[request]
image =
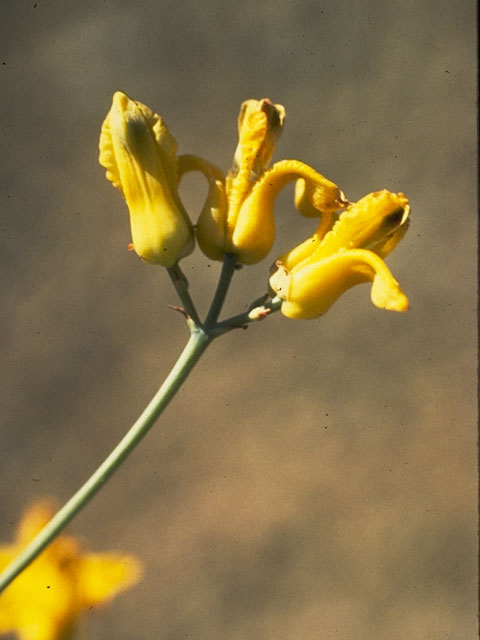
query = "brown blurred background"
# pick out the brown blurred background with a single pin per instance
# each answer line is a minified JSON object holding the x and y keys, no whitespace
{"x":313,"y":479}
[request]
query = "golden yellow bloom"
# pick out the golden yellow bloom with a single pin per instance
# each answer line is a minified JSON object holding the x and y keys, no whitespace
{"x":238,"y":215}
{"x":310,"y":277}
{"x":45,"y":600}
{"x":139,"y":154}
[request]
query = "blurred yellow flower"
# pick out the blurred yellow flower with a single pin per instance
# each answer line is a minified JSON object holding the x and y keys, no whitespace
{"x":45,"y":600}
{"x":139,"y":154}
{"x":339,"y":255}
{"x":238,"y":215}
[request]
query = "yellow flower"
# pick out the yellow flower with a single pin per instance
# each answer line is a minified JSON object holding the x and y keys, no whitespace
{"x":139,"y":154}
{"x":45,"y":600}
{"x":238,"y":215}
{"x":310,"y":277}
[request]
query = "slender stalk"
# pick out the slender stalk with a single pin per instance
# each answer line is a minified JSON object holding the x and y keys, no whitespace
{"x":198,"y":342}
{"x":228,"y":269}
{"x":180,"y":283}
{"x":200,"y":338}
{"x":243,"y":319}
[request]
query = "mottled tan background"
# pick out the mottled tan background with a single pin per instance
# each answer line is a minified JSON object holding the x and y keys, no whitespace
{"x":313,"y":479}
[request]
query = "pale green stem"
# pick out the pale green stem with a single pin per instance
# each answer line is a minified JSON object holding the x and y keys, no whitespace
{"x":243,"y":319}
{"x":180,"y":283}
{"x":198,"y":342}
{"x":228,"y":269}
{"x":200,"y":338}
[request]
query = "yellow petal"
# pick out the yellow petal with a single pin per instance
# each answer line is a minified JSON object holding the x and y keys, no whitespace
{"x":366,"y":223}
{"x":313,"y":200}
{"x":300,"y":253}
{"x":143,"y":123}
{"x":260,"y":123}
{"x":103,"y":576}
{"x":253,"y":230}
{"x":211,"y":230}
{"x":305,"y":202}
{"x":41,"y":602}
{"x":138,"y":153}
{"x":384,"y":247}
{"x":44,"y":629}
{"x":7,"y":554}
{"x":45,"y":600}
{"x":34,"y":519}
{"x":309,"y":291}
{"x":212,"y":222}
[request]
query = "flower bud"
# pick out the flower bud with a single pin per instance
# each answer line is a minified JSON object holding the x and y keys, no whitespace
{"x":260,"y":123}
{"x":139,"y":154}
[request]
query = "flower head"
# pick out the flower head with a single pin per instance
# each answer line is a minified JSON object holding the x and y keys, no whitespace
{"x":310,"y":277}
{"x":238,"y":215}
{"x":139,"y":154}
{"x":44,"y":601}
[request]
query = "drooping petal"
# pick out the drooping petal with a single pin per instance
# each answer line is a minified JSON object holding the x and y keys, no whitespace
{"x":310,"y":290}
{"x":211,"y":230}
{"x":312,"y":200}
{"x":254,"y":228}
{"x":306,"y":202}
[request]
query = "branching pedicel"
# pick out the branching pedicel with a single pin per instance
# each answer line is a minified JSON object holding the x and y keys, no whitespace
{"x":236,"y":226}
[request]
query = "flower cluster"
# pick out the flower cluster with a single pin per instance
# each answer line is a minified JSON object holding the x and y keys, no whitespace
{"x":237,"y":226}
{"x":237,"y":218}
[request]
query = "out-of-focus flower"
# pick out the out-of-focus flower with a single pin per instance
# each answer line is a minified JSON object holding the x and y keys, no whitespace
{"x":310,"y":277}
{"x":45,"y":600}
{"x":238,"y":215}
{"x":139,"y":154}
